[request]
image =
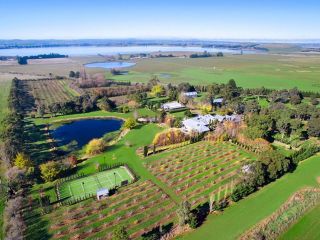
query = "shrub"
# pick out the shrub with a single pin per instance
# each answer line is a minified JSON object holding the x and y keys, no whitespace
{"x":120,"y":233}
{"x":304,"y":153}
{"x":145,"y":151}
{"x":95,"y":146}
{"x":193,"y":221}
{"x":206,"y":109}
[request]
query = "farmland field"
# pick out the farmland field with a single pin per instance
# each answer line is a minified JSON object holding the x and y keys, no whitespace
{"x":50,"y":91}
{"x":250,"y":71}
{"x":276,"y":71}
{"x":199,"y":170}
{"x":82,"y":187}
{"x":140,"y":206}
{"x":42,"y":67}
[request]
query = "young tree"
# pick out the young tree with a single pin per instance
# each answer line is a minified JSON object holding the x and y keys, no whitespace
{"x":145,"y":151}
{"x":77,"y":74}
{"x":22,"y":161}
{"x":157,"y":90}
{"x":72,"y":74}
{"x":120,"y":233}
{"x":314,"y":101}
{"x":188,"y":113}
{"x":173,"y":94}
{"x":95,"y":146}
{"x":50,"y":171}
{"x":184,"y":213}
{"x":41,"y":110}
{"x":129,"y":123}
{"x":73,"y":160}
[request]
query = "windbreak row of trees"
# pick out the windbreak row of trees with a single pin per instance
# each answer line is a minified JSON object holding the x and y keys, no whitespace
{"x":17,"y":164}
{"x":12,"y":132}
{"x":81,"y":104}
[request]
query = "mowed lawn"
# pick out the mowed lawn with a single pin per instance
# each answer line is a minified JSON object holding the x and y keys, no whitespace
{"x":250,"y":71}
{"x":307,"y":228}
{"x":95,"y":114}
{"x":89,"y":185}
{"x":242,"y":215}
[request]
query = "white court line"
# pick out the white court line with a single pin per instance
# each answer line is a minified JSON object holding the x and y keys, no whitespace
{"x":110,"y":181}
{"x":120,"y":176}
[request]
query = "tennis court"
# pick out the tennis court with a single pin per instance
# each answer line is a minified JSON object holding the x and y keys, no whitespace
{"x":89,"y":185}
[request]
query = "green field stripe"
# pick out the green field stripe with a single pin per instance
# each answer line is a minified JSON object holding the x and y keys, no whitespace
{"x":95,"y":176}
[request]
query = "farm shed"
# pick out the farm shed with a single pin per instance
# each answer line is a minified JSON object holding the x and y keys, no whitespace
{"x":190,"y":94}
{"x":102,"y":193}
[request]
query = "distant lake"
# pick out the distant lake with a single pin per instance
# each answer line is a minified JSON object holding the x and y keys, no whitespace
{"x":94,"y":50}
{"x":110,"y":65}
{"x":85,"y":130}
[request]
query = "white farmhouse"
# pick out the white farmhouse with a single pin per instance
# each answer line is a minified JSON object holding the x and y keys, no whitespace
{"x":198,"y":124}
{"x":170,"y":106}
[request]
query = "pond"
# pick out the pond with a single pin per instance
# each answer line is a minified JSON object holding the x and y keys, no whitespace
{"x":82,"y":131}
{"x":110,"y":65}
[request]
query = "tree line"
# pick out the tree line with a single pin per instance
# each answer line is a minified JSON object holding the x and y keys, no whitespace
{"x":23,"y":60}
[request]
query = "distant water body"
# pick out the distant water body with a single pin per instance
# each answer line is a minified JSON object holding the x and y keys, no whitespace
{"x":94,"y":50}
{"x":110,"y":65}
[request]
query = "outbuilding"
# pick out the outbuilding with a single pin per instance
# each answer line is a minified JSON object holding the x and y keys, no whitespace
{"x":102,"y":193}
{"x":190,"y":94}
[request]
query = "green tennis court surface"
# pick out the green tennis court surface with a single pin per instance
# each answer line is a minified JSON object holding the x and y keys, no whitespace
{"x":89,"y":185}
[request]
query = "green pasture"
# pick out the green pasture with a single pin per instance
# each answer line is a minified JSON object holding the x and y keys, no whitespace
{"x":89,"y":185}
{"x":307,"y":228}
{"x":249,"y":71}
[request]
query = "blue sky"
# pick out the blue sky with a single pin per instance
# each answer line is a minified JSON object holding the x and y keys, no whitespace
{"x":232,"y":19}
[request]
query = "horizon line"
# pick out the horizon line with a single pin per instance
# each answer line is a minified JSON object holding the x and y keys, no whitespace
{"x":269,"y":40}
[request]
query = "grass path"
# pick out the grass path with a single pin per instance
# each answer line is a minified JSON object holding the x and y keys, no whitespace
{"x":244,"y":214}
{"x":4,"y":92}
